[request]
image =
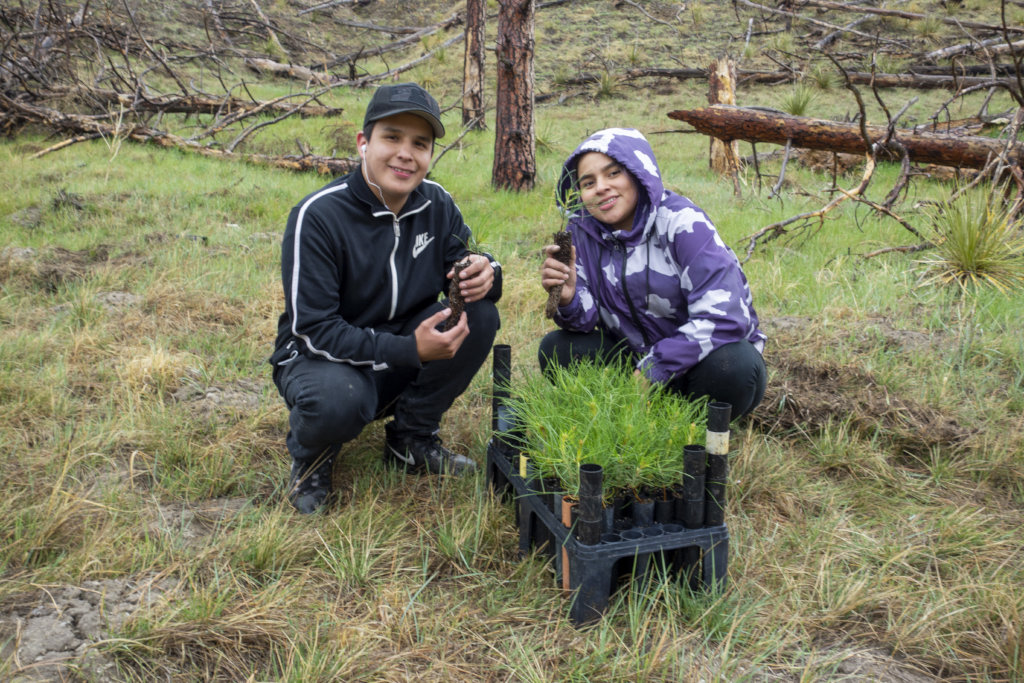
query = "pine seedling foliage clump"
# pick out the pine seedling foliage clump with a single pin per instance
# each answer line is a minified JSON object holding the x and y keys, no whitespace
{"x":604,"y":415}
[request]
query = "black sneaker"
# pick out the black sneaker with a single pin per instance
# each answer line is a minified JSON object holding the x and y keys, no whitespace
{"x":309,"y":485}
{"x":420,"y":455}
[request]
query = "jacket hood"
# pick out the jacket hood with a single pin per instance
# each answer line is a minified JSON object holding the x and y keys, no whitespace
{"x":630,"y":148}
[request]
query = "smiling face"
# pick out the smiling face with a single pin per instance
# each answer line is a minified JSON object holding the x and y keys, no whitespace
{"x":607,"y":190}
{"x":397,"y":157}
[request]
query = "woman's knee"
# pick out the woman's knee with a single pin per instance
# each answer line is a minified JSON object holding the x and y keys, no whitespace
{"x":734,"y":373}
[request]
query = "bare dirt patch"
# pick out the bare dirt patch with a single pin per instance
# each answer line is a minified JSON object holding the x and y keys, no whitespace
{"x":193,"y":523}
{"x":814,"y":393}
{"x":240,"y":395}
{"x":50,"y":634}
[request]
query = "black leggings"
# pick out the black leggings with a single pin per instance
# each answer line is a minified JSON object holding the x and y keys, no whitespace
{"x":734,"y":373}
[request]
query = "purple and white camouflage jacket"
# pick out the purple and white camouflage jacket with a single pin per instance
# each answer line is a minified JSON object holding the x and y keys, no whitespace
{"x":684,"y":293}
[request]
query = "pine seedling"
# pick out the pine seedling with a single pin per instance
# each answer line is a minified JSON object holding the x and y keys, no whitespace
{"x":455,"y":301}
{"x":569,"y":205}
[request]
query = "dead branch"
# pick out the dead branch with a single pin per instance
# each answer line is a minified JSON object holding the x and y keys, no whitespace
{"x":393,"y":30}
{"x":196,"y":104}
{"x":67,"y":143}
{"x":880,"y":208}
{"x":927,"y":81}
{"x":834,"y":35}
{"x":271,"y":34}
{"x":411,"y":39}
{"x":295,"y":71}
{"x":990,"y":170}
{"x":804,"y":220}
{"x":908,"y":249}
{"x":218,"y":26}
{"x":637,"y":6}
{"x":994,"y":45}
{"x":782,"y":170}
{"x":366,"y":80}
{"x":952,"y":21}
{"x":816,"y":22}
{"x":471,"y":125}
{"x":333,"y":3}
{"x":138,"y":31}
{"x":86,"y":127}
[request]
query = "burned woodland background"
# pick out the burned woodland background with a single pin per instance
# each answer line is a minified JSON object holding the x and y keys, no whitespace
{"x":205,"y":77}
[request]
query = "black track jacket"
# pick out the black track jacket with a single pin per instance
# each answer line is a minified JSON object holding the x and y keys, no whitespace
{"x":353,"y":272}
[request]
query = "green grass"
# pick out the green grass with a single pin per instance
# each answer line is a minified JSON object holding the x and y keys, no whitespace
{"x":875,"y":500}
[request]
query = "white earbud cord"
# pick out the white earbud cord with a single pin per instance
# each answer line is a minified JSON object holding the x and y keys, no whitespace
{"x":366,"y":166}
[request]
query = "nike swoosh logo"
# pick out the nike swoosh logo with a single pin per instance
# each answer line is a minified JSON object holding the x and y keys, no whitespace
{"x":405,"y":457}
{"x":418,"y":248}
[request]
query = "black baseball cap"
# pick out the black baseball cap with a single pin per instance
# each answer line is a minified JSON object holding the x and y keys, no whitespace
{"x":404,"y":98}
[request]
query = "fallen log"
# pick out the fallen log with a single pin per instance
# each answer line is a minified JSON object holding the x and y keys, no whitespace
{"x":991,"y":46}
{"x":738,"y":123}
{"x":926,"y":81}
{"x":913,"y":79}
{"x":963,"y":69}
{"x":195,"y":104}
{"x":951,"y":20}
{"x":260,"y":65}
{"x":90,"y":127}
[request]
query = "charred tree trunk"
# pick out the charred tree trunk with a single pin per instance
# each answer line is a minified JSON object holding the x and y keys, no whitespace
{"x":721,"y":90}
{"x":737,"y":123}
{"x":515,"y":164}
{"x":473,"y":71}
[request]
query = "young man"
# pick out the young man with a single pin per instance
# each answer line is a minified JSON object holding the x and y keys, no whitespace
{"x":650,"y":279}
{"x":363,"y":262}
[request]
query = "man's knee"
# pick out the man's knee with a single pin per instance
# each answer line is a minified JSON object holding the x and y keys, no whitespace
{"x":332,"y":413}
{"x":483,"y":317}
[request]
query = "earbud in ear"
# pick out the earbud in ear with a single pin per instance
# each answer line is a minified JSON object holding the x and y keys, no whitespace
{"x":363,"y":149}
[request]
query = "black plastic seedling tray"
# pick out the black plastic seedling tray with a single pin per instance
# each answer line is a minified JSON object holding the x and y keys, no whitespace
{"x":626,"y":552}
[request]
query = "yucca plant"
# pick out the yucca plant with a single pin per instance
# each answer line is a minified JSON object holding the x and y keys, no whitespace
{"x":604,"y":415}
{"x":977,"y":243}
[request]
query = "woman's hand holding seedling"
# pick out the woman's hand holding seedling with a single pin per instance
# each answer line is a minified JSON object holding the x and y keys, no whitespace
{"x":554,"y":273}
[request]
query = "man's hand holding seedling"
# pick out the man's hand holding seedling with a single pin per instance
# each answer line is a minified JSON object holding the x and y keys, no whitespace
{"x":476,"y":279}
{"x":433,"y":344}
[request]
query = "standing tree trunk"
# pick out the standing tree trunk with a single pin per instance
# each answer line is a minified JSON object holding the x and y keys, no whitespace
{"x":724,"y":158}
{"x":473,"y":71}
{"x":515,"y":164}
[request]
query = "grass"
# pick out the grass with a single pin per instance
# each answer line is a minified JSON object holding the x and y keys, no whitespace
{"x":875,"y":499}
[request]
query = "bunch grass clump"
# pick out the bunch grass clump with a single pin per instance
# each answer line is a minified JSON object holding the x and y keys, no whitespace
{"x":604,"y":415}
{"x":798,"y":101}
{"x":977,"y":244}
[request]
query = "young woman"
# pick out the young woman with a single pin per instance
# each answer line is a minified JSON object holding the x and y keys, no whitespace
{"x":650,"y":280}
